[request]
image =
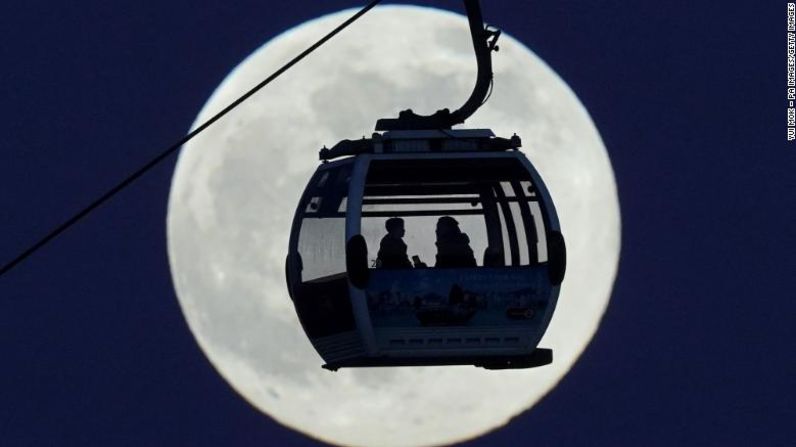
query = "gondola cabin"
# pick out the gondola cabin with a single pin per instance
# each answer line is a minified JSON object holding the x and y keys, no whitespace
{"x":429,"y":247}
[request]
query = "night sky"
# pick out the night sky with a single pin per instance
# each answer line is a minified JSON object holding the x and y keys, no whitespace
{"x":696,"y":347}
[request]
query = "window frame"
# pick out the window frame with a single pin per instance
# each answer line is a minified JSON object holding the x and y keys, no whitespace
{"x":495,"y":209}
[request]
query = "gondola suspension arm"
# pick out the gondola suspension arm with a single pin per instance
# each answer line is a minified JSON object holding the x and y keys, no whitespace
{"x":484,"y":42}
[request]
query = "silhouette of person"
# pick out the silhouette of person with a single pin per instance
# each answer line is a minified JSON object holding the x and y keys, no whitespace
{"x":453,"y":246}
{"x":392,"y":250}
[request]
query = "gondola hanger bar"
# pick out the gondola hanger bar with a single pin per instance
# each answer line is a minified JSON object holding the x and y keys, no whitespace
{"x":484,"y":42}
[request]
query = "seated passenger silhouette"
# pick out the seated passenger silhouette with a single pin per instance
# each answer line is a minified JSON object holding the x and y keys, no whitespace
{"x":453,"y":246}
{"x":392,"y":250}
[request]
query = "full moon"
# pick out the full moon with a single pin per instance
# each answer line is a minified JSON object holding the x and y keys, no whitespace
{"x":236,"y":186}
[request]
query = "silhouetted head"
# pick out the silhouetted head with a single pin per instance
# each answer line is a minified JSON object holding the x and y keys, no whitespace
{"x":395,"y":226}
{"x":446,"y":225}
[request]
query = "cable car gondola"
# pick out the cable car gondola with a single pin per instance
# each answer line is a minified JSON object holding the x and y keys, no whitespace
{"x":488,"y":257}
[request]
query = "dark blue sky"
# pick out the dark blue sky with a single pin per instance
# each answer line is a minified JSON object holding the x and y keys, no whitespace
{"x":696,"y":347}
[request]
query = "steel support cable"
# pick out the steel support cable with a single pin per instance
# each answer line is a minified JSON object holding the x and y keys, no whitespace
{"x":173,"y":148}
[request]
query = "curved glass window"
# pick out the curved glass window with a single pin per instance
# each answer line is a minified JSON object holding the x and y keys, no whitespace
{"x":321,"y":241}
{"x":455,"y":242}
{"x":320,"y":289}
{"x":454,"y":213}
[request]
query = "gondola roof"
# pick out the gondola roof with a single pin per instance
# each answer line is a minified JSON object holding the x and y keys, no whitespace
{"x":421,"y":141}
